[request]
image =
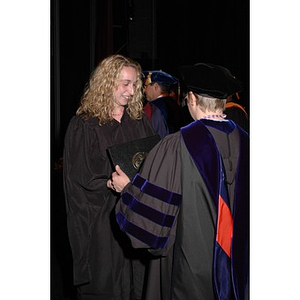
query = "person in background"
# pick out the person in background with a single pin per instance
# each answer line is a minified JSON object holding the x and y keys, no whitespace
{"x":237,"y":112}
{"x":189,"y":204}
{"x":105,"y":266}
{"x":162,"y":109}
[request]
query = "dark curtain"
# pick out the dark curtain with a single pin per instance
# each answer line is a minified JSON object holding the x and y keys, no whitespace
{"x":81,"y":35}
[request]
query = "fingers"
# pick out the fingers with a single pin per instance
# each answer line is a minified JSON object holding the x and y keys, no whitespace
{"x":114,"y":175}
{"x":118,"y":180}
{"x":109,"y":184}
{"x":118,"y":170}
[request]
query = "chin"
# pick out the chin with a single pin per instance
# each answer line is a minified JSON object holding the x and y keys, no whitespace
{"x":124,"y":101}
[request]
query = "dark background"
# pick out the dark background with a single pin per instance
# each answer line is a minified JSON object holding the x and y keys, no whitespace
{"x":159,"y":35}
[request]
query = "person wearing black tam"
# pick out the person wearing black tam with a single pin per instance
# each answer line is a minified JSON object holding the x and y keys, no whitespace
{"x":221,"y":89}
{"x":161,"y":109}
{"x":189,"y":203}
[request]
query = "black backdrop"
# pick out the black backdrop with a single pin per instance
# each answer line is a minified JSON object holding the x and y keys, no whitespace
{"x":159,"y":35}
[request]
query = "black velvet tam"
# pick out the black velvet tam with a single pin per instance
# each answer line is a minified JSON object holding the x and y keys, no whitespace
{"x":209,"y":80}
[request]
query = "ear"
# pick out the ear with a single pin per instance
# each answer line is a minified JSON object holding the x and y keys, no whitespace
{"x":192,"y":98}
{"x":156,"y":86}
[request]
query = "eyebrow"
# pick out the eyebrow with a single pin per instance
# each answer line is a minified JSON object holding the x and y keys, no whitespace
{"x":126,"y":81}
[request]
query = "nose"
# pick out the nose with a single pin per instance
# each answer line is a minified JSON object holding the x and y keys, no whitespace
{"x":131,"y":89}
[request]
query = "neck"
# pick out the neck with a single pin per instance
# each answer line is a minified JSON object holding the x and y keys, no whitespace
{"x":118,"y":111}
{"x":213,"y":116}
{"x":163,"y":95}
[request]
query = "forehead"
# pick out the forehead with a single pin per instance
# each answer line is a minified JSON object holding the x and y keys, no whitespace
{"x":128,"y":74}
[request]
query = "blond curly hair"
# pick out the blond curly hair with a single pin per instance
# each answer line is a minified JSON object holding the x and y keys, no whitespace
{"x":97,"y":99}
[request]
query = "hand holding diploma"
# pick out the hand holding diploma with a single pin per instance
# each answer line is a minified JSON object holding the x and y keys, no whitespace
{"x":118,"y":180}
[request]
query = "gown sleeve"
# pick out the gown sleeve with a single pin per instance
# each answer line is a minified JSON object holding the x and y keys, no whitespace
{"x":85,"y":191}
{"x":148,"y":208}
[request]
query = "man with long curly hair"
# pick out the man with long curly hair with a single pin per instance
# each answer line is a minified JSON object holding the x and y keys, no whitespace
{"x":111,"y":112}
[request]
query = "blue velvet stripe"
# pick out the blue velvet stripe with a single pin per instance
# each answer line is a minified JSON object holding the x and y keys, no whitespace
{"x":202,"y":148}
{"x":222,"y":276}
{"x":226,"y":126}
{"x":222,"y":262}
{"x":147,"y":211}
{"x":156,"y":191}
{"x":223,"y":188}
{"x":240,"y":243}
{"x":142,"y":235}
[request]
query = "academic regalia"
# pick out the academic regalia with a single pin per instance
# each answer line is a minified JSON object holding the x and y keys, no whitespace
{"x":157,"y":119}
{"x":167,"y":120}
{"x":102,"y":254}
{"x":176,"y":207}
{"x":170,"y":112}
{"x":237,"y":113}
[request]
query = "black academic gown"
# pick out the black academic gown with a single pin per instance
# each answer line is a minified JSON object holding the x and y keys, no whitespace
{"x":102,"y":264}
{"x":172,"y":207}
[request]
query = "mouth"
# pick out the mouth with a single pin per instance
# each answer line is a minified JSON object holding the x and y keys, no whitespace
{"x":127,"y":97}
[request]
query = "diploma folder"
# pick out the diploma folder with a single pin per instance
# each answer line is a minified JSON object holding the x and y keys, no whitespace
{"x":130,"y":155}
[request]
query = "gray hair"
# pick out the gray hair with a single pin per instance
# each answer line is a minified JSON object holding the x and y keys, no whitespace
{"x":210,"y":104}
